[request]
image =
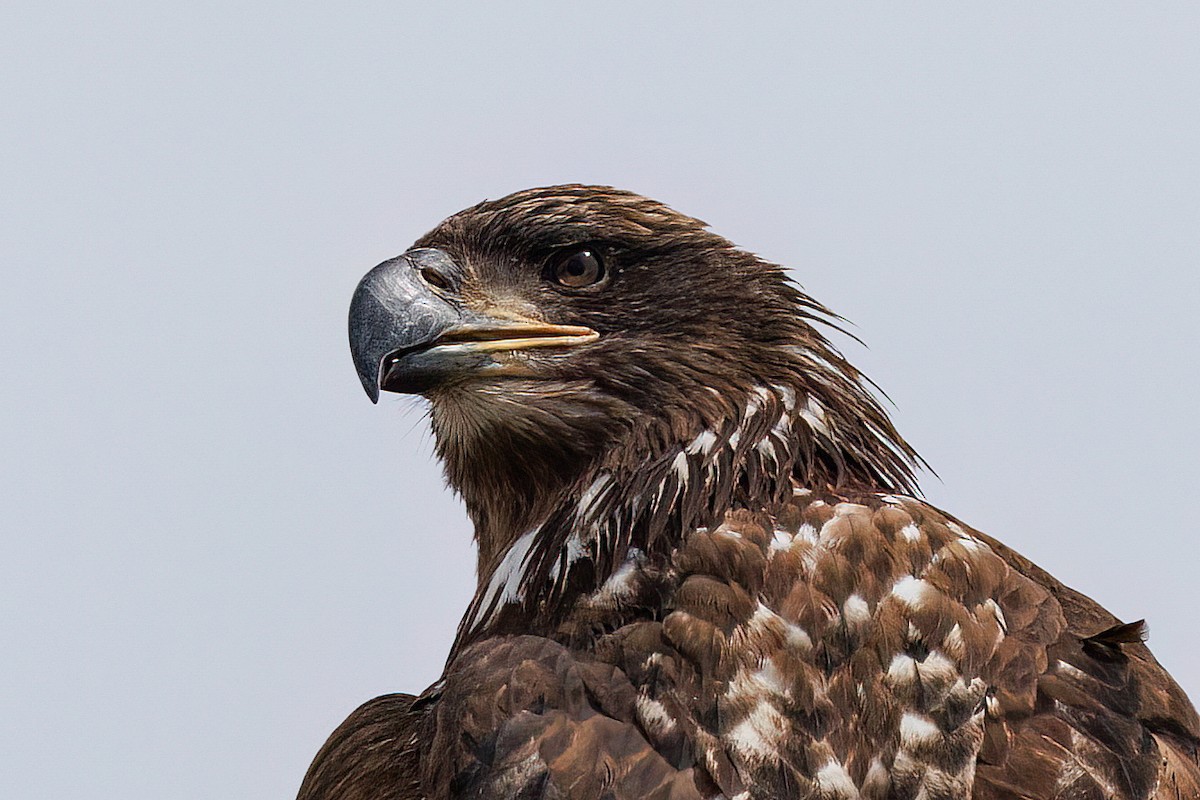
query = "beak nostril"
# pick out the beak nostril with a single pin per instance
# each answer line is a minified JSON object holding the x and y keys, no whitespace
{"x":435,"y":279}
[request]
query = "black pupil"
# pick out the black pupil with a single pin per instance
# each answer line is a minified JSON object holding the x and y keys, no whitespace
{"x":579,"y":269}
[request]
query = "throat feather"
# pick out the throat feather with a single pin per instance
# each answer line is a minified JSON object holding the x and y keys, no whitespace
{"x":635,"y":502}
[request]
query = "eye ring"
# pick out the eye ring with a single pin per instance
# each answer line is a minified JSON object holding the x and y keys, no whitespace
{"x":578,"y":269}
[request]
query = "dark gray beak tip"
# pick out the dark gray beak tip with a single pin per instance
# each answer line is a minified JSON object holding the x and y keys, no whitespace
{"x":372,"y":389}
{"x":370,"y":325}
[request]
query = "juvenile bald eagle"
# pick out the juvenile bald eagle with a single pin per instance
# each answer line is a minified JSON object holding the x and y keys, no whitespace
{"x":703,"y":571}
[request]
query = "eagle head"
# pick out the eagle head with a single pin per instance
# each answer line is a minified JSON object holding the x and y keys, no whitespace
{"x":562,"y":330}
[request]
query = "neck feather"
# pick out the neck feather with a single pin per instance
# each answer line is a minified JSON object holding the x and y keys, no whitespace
{"x":514,"y":450}
{"x":665,"y":479}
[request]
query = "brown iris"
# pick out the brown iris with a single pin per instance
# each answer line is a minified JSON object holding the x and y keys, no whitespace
{"x":578,"y":269}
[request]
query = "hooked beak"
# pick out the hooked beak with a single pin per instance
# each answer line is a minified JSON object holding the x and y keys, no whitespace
{"x":408,"y":336}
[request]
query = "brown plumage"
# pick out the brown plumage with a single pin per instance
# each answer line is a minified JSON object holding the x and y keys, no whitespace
{"x":702,"y":570}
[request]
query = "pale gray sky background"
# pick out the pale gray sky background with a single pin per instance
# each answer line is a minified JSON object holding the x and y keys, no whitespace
{"x":214,"y":546}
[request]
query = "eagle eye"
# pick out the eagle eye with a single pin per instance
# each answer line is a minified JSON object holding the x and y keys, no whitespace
{"x":578,"y":269}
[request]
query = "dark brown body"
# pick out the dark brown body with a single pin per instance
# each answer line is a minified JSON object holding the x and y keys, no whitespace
{"x":1019,"y":705}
